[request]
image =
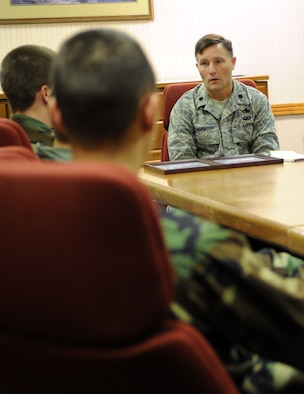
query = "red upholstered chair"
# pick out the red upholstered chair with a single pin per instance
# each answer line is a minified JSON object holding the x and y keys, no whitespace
{"x":171,"y":94}
{"x":17,"y":153}
{"x":85,"y":288}
{"x":249,"y":82}
{"x":11,"y":133}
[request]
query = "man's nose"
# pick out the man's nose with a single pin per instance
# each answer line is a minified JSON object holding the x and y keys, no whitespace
{"x":212,"y":68}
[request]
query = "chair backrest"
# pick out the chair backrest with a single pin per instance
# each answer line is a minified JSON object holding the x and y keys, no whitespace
{"x":12,"y":134}
{"x":17,"y":153}
{"x":249,"y":82}
{"x":86,"y":285}
{"x":171,"y":94}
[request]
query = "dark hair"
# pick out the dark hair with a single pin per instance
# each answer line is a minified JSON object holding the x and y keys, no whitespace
{"x":212,"y":39}
{"x":100,"y":76}
{"x":24,"y":71}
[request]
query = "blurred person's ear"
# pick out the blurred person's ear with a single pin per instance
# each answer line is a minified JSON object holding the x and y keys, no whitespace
{"x":148,"y":109}
{"x":45,"y":93}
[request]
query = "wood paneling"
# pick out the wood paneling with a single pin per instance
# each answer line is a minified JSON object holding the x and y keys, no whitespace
{"x":288,"y":109}
{"x":4,"y":107}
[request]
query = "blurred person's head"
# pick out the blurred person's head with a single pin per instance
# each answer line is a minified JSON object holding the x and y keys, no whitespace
{"x":103,"y":94}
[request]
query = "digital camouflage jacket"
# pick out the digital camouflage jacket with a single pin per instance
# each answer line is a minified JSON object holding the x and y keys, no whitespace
{"x":199,"y":129}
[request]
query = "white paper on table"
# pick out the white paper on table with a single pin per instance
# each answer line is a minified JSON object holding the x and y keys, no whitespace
{"x":287,"y":155}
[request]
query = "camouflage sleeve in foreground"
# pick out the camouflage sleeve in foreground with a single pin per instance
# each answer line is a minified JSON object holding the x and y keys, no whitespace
{"x":234,"y":295}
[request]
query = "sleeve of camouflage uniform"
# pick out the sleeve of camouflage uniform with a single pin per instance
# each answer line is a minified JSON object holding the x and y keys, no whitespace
{"x":181,"y":139}
{"x":234,"y":295}
{"x":265,"y":137}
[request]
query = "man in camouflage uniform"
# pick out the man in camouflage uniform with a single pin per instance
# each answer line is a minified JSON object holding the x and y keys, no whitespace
{"x":220,"y":117}
{"x":227,"y":291}
{"x":249,"y":305}
{"x":25,"y":80}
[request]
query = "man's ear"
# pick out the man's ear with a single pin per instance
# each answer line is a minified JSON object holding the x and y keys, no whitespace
{"x":45,"y":93}
{"x":233,"y":62}
{"x":149,"y":109}
{"x":56,"y":116}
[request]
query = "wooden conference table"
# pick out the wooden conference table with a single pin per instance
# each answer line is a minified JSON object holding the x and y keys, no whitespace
{"x":265,"y":202}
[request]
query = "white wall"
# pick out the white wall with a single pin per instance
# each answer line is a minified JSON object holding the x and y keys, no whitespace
{"x":268,"y":38}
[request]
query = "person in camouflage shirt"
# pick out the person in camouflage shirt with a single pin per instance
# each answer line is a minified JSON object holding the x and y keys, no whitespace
{"x":37,"y":131}
{"x":222,"y":116}
{"x":250,"y":305}
{"x":26,"y":82}
{"x":237,"y":298}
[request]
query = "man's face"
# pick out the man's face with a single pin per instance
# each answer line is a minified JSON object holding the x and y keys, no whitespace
{"x":215,"y":66}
